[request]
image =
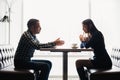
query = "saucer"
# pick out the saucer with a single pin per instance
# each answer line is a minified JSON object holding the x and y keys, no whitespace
{"x":74,"y":47}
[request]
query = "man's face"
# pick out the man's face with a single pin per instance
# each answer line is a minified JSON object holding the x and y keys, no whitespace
{"x":37,"y":28}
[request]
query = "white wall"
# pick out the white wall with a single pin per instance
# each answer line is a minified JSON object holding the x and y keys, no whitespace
{"x":16,"y":27}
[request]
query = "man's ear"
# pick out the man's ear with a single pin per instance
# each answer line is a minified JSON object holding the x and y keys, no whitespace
{"x":32,"y":27}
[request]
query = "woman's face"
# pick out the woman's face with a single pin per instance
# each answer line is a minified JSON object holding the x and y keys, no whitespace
{"x":85,"y":29}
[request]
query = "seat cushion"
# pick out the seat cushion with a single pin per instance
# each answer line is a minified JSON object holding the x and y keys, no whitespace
{"x":9,"y":73}
{"x":110,"y":74}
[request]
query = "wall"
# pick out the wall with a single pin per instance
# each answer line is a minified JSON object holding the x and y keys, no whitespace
{"x":4,"y":23}
{"x":16,"y":26}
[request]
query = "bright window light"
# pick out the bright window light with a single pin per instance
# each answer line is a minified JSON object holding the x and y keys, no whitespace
{"x":58,"y":18}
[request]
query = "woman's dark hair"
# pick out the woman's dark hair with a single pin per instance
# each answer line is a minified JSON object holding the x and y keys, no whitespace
{"x":31,"y":22}
{"x":90,"y":25}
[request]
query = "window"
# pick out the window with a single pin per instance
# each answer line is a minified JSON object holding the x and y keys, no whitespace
{"x":4,"y":23}
{"x":58,"y":18}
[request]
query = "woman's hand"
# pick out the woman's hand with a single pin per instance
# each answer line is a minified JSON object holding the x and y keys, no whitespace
{"x":81,"y":38}
{"x":59,"y":42}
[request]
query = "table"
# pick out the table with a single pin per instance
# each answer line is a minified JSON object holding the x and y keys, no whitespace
{"x":65,"y":56}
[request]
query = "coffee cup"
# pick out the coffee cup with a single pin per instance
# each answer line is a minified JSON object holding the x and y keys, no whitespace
{"x":74,"y":45}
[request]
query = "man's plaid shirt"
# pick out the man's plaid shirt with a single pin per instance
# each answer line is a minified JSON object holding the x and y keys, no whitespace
{"x":27,"y":45}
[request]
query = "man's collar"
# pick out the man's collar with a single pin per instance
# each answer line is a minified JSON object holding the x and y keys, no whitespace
{"x":31,"y":33}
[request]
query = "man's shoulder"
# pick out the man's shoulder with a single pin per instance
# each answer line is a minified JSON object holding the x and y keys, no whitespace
{"x":26,"y":33}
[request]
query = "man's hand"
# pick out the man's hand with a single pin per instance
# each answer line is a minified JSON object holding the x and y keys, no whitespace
{"x":59,"y":42}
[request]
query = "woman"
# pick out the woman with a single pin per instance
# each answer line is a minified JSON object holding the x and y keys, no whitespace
{"x":95,"y":40}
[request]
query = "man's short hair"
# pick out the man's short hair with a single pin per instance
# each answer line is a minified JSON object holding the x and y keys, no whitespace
{"x":31,"y":22}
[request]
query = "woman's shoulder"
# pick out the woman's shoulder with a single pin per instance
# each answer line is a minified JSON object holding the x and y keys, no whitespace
{"x":98,"y":33}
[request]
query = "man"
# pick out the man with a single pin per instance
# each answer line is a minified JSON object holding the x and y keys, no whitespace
{"x":26,"y":47}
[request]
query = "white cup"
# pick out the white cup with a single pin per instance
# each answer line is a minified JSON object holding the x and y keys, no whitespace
{"x":74,"y":45}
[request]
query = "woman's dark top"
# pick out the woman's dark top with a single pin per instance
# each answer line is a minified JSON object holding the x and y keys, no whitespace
{"x":101,"y":58}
